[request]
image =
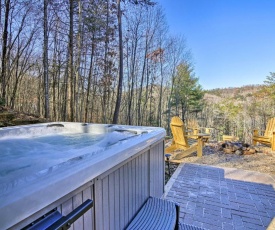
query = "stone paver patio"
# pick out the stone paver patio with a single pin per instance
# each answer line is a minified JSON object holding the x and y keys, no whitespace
{"x":223,"y":198}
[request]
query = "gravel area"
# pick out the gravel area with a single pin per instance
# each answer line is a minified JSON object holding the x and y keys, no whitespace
{"x":262,"y":161}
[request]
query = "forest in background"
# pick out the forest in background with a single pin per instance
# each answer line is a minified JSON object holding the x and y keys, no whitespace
{"x":113,"y":61}
{"x":238,"y":111}
{"x":94,"y":61}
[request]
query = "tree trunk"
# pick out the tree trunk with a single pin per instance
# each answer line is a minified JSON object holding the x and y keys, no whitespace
{"x":4,"y":51}
{"x":119,"y":87}
{"x":132,"y":75}
{"x":160,"y":95}
{"x":141,"y":85}
{"x":89,"y":81}
{"x":79,"y":48}
{"x":105,"y":82}
{"x":45,"y":60}
{"x":71,"y":68}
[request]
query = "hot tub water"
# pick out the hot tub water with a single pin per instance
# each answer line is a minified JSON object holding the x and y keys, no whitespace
{"x":23,"y":156}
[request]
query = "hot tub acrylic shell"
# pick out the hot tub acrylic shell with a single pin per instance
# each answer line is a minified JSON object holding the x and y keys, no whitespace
{"x":130,"y":169}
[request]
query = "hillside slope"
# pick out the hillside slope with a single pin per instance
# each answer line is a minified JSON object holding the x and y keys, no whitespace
{"x":237,"y":93}
{"x":9,"y":117}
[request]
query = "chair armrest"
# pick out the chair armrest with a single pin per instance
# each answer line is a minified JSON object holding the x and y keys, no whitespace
{"x":271,"y":133}
{"x":207,"y":129}
{"x":260,"y":132}
{"x":255,"y":132}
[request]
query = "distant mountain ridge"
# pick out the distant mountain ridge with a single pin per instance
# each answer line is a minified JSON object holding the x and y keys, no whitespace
{"x":237,"y":93}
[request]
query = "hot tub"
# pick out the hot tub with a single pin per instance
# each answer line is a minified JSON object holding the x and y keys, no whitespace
{"x":60,"y":165}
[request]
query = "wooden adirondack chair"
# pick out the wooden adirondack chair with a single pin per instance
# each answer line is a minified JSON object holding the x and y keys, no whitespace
{"x":269,"y":135}
{"x":193,"y":129}
{"x":183,"y":142}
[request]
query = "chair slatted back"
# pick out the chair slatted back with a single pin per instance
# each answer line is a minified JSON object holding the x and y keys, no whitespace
{"x":193,"y":123}
{"x":177,"y":128}
{"x":270,"y":127}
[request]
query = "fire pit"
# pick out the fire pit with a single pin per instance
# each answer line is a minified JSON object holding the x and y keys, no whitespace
{"x":235,"y":147}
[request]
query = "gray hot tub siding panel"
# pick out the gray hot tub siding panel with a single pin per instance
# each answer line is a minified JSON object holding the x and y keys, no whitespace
{"x":137,"y":180}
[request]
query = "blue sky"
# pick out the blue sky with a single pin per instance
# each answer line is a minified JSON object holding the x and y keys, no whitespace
{"x":232,"y":41}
